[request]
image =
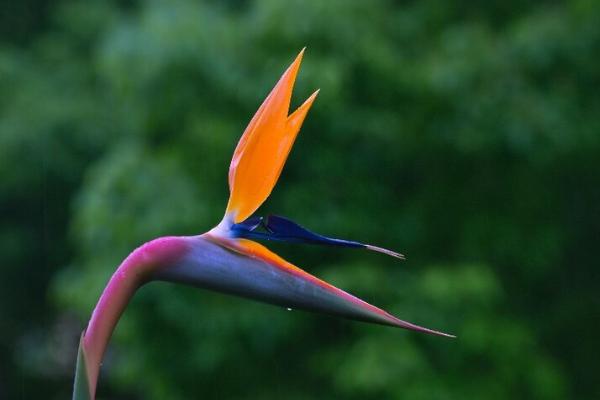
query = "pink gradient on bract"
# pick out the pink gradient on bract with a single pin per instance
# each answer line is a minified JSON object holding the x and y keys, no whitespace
{"x":133,"y":272}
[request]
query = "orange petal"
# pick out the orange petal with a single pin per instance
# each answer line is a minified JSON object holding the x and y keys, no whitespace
{"x":264,"y":147}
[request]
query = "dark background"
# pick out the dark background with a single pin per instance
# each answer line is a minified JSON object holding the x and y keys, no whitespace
{"x":464,"y":134}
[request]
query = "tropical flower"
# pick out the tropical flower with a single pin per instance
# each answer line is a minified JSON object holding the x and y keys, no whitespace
{"x":227,"y":259}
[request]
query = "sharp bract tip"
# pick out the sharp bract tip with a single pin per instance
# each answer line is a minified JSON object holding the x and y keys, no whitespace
{"x":407,"y":325}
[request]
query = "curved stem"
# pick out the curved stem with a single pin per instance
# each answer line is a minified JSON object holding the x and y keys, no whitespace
{"x":121,"y":287}
{"x":133,"y":272}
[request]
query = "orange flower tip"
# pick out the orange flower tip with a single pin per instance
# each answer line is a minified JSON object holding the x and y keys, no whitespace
{"x":301,"y":111}
{"x":385,"y":251}
{"x":296,"y":64}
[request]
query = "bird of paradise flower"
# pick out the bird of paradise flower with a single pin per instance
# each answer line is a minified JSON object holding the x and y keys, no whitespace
{"x":226,"y":258}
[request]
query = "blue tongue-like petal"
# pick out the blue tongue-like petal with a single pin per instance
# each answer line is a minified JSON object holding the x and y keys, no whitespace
{"x":282,"y":229}
{"x":289,"y":231}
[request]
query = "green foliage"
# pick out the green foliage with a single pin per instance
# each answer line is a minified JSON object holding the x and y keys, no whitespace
{"x":465,"y":136}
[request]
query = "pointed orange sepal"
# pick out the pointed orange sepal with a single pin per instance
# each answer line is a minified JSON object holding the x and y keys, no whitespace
{"x":264,"y":147}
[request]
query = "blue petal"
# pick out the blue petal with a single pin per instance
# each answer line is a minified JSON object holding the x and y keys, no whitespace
{"x":282,"y":229}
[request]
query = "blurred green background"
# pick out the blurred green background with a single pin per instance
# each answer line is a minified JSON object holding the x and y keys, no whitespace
{"x":465,"y":135}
